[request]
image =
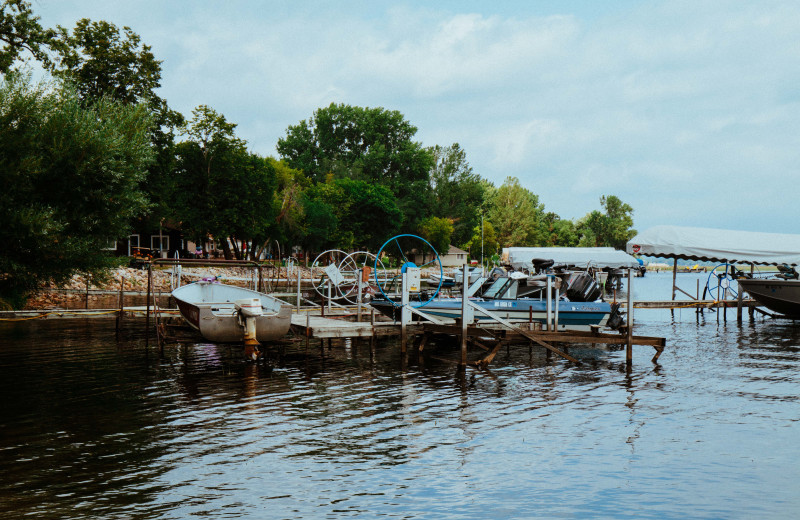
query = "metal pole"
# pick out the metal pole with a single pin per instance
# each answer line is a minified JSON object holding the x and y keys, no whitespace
{"x":405,"y":312}
{"x":298,"y":288}
{"x":330,"y":298}
{"x":629,"y":349}
{"x":358,"y":298}
{"x":481,"y":245}
{"x":674,"y":277}
{"x":466,"y":315}
{"x":549,"y":303}
{"x":556,"y":299}
{"x":147,"y":313}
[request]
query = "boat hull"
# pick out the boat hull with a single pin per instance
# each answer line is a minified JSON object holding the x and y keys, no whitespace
{"x":210,"y":308}
{"x":571,"y":315}
{"x":781,"y":296}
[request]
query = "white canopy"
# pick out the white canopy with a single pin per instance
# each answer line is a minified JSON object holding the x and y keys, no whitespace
{"x":717,"y":245}
{"x":600,"y":257}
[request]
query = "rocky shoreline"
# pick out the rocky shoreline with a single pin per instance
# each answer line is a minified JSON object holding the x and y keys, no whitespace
{"x":130,"y":279}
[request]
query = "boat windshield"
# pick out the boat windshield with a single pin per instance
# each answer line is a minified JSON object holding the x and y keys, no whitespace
{"x":502,"y":289}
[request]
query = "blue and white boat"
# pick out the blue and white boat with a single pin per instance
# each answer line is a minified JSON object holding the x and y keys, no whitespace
{"x":500,"y":299}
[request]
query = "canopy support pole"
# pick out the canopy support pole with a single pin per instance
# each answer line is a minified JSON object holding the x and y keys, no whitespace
{"x":674,"y":277}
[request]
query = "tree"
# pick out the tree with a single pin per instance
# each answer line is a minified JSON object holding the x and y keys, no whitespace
{"x":222,"y":190}
{"x":102,"y":61}
{"x":361,"y":215}
{"x":70,"y":177}
{"x":560,"y":233}
{"x":482,"y":238}
{"x":20,"y":33}
{"x":610,"y":229}
{"x":367,"y":144}
{"x":516,"y":214}
{"x":457,"y":191}
{"x":437,"y":231}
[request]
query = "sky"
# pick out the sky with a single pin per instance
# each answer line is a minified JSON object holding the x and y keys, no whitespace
{"x":688,"y":111}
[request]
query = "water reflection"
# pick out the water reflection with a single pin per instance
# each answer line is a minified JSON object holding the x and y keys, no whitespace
{"x":95,"y":427}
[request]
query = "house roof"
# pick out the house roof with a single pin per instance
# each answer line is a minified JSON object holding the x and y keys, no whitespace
{"x":456,"y":251}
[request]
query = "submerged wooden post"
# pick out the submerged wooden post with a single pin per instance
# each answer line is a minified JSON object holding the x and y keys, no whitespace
{"x":739,"y":307}
{"x":629,"y":345}
{"x":121,"y":303}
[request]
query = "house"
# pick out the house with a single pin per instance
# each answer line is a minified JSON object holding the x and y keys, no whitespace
{"x":455,"y":257}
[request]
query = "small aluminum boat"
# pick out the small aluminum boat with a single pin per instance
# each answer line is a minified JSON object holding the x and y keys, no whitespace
{"x":221,"y":312}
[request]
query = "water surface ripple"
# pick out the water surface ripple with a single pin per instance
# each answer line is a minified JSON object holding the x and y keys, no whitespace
{"x":95,"y":427}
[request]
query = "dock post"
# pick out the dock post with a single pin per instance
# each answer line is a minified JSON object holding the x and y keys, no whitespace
{"x":121,"y":303}
{"x":330,"y":296}
{"x":466,"y":315}
{"x":405,"y":312}
{"x":147,"y":312}
{"x":739,"y":307}
{"x":629,"y":345}
{"x":88,"y":276}
{"x":308,"y":329}
{"x":556,"y":298}
{"x":549,"y":309}
{"x":358,"y":298}
{"x":674,"y":277}
{"x":298,"y":287}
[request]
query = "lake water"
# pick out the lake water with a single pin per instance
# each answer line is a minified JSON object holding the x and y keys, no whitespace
{"x":96,"y":427}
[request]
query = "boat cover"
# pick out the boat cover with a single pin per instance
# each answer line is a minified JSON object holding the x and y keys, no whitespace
{"x":717,"y":245}
{"x":599,"y":257}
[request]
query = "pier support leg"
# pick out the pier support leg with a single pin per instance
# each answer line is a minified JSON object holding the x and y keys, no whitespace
{"x":629,"y":344}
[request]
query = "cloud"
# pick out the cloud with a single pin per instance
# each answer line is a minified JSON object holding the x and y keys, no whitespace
{"x":677,"y":107}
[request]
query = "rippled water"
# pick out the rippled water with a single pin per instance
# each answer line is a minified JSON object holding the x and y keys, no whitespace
{"x":95,"y":427}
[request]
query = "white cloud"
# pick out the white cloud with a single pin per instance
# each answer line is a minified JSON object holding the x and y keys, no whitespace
{"x":677,"y":107}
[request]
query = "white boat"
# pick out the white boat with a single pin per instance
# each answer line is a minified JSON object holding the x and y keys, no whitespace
{"x":224,"y":313}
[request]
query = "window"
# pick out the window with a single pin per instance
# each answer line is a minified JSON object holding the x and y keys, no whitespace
{"x":111,"y":246}
{"x":133,"y":244}
{"x":155,"y":242}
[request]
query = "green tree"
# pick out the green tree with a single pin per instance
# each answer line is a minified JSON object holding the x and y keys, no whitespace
{"x":517,"y":215}
{"x":457,"y":191}
{"x":222,"y":190}
{"x":21,"y":33}
{"x":70,"y":177}
{"x":486,"y":237}
{"x":612,"y":228}
{"x":367,"y":144}
{"x":102,"y":61}
{"x":437,"y":231}
{"x":560,"y":232}
{"x":363,"y":214}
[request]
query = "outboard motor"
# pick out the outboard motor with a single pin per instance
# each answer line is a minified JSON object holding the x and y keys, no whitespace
{"x":615,"y":320}
{"x":583,"y":288}
{"x":249,"y":309}
{"x":541,"y":264}
{"x":787,"y":272}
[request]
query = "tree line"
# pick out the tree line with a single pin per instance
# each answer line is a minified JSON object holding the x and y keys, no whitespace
{"x":94,"y":152}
